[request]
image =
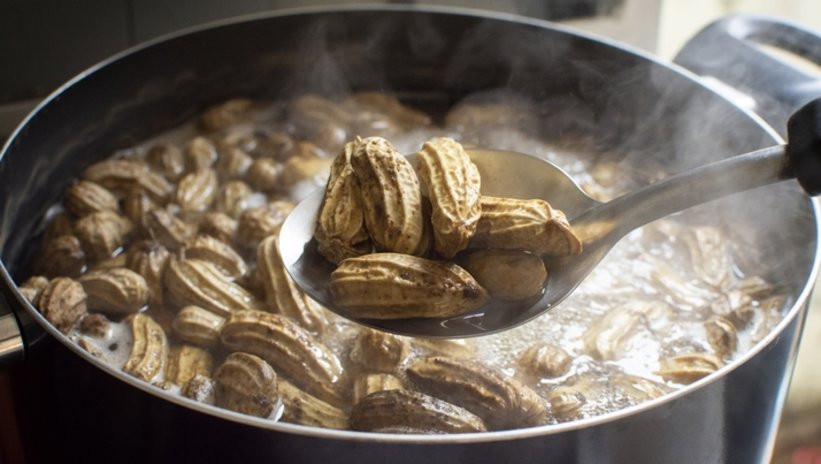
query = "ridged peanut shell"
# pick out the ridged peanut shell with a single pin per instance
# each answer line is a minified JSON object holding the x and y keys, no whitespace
{"x":115,"y":291}
{"x":197,"y":282}
{"x":160,"y":225}
{"x":33,"y":287}
{"x":200,"y":388}
{"x":452,"y":184}
{"x":149,"y":259}
{"x":340,"y":229}
{"x":198,"y":326}
{"x":232,"y":198}
{"x":281,"y":294}
{"x":102,"y":233}
{"x":545,"y":360}
{"x":166,"y":159}
{"x":400,"y":409}
{"x":218,"y":225}
{"x":396,"y":286}
{"x":149,"y":349}
{"x":220,"y":254}
{"x":507,"y":274}
{"x":300,"y":407}
{"x":200,"y":153}
{"x":391,"y":196}
{"x":257,"y":223}
{"x":533,"y":225}
{"x":378,"y":351}
{"x":185,"y":362}
{"x":503,"y":402}
{"x":121,"y":174}
{"x":372,"y":383}
{"x":62,"y":256}
{"x":689,"y":367}
{"x":197,"y":190}
{"x":85,"y":197}
{"x":226,"y":114}
{"x":63,"y":302}
{"x":247,"y":384}
{"x":290,"y":349}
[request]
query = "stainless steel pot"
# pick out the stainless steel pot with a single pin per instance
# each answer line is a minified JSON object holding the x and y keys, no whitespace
{"x":70,"y":404}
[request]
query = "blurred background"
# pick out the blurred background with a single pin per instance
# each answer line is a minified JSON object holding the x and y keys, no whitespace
{"x":43,"y":43}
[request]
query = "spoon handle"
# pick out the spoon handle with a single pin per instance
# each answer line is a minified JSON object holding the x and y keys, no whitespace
{"x":681,"y":191}
{"x":800,"y":159}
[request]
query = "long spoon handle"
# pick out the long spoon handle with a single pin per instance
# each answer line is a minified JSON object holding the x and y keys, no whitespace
{"x":800,"y":159}
{"x":679,"y":192}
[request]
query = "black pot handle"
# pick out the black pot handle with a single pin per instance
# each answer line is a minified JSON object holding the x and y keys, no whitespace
{"x":11,"y":339}
{"x":729,"y":51}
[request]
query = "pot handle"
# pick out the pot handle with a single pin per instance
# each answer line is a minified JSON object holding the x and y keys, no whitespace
{"x":11,"y":339}
{"x":730,"y":51}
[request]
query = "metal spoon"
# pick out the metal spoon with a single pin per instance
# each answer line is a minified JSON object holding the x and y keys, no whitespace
{"x":599,"y":225}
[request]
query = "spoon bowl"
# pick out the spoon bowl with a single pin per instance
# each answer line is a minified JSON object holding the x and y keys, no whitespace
{"x":504,"y":174}
{"x":598,"y":225}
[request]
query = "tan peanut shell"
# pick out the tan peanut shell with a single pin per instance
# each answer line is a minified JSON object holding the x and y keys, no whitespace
{"x":149,"y":348}
{"x":149,"y":259}
{"x":395,"y":286}
{"x":136,"y":204}
{"x":412,"y":411}
{"x":372,"y":383}
{"x":507,"y":274}
{"x":532,"y":225}
{"x":220,"y":254}
{"x":721,"y":333}
{"x":232,"y":198}
{"x":115,"y":291}
{"x":198,"y":326}
{"x":247,"y":384}
{"x":233,"y":163}
{"x":502,"y":402}
{"x":689,"y":367}
{"x":545,"y":360}
{"x":290,"y":349}
{"x":197,"y":282}
{"x":123,"y":175}
{"x":257,"y":223}
{"x":220,"y":226}
{"x":33,"y":287}
{"x":340,"y":229}
{"x":200,"y":388}
{"x":85,"y":197}
{"x":378,"y":351}
{"x":452,"y":184}
{"x":102,"y":233}
{"x":281,"y":294}
{"x":63,"y":302}
{"x":166,"y":159}
{"x":95,"y":325}
{"x":185,"y":362}
{"x":302,"y":168}
{"x":200,"y":153}
{"x":300,"y":407}
{"x":391,"y":197}
{"x":226,"y":114}
{"x":263,"y":174}
{"x":172,"y":232}
{"x":197,"y":190}
{"x":62,"y":256}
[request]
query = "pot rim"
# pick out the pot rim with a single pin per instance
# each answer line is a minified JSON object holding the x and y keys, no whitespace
{"x":800,"y":302}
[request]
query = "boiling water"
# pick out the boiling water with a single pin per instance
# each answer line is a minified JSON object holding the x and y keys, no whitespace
{"x":645,"y":301}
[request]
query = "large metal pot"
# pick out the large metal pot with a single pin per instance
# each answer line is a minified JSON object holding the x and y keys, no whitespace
{"x":70,"y":404}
